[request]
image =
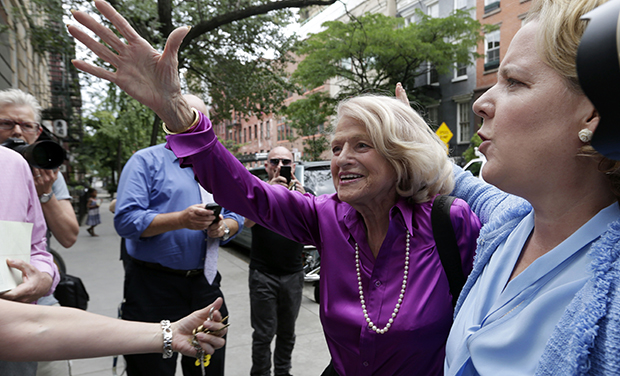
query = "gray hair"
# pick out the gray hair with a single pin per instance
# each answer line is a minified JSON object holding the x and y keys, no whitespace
{"x":16,"y":97}
{"x":399,"y":134}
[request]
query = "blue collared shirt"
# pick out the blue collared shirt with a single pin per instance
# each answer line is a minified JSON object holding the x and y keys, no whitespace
{"x":152,"y":183}
{"x":504,"y":325}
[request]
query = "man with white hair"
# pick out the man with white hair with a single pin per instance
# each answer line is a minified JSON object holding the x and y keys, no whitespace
{"x":20,"y":117}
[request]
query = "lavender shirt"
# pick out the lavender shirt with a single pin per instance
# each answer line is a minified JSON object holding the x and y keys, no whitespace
{"x":19,"y":202}
{"x":415,"y":344}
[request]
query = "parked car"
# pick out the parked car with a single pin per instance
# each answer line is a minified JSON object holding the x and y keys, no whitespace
{"x":317,"y":177}
{"x":314,"y":175}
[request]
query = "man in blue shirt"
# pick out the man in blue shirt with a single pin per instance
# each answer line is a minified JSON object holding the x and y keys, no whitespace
{"x":172,"y":245}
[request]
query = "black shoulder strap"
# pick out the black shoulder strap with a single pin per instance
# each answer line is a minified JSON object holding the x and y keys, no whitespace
{"x":446,"y":244}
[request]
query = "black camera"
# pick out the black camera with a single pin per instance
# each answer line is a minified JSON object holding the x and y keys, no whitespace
{"x":45,"y":154}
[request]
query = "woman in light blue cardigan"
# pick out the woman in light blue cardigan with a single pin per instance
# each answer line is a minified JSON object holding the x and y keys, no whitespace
{"x":543,"y":297}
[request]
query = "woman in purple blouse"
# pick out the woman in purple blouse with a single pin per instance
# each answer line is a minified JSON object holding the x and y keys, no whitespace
{"x":385,"y":302}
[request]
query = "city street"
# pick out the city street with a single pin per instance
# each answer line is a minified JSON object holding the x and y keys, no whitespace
{"x":96,"y":261}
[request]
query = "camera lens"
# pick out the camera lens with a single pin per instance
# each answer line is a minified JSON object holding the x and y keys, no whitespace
{"x":42,"y":154}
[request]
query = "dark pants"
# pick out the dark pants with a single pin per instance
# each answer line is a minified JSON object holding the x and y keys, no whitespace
{"x":330,"y":370}
{"x":18,"y":368}
{"x":275,"y":302}
{"x":152,"y":296}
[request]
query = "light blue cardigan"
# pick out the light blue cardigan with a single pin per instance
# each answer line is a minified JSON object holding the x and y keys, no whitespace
{"x":586,"y":341}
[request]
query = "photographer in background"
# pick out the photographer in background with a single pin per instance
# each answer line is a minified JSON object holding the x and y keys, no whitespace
{"x":20,"y":117}
{"x":276,"y":280}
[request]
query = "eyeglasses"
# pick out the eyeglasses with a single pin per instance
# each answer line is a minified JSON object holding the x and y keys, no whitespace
{"x":26,"y":126}
{"x":276,"y":161}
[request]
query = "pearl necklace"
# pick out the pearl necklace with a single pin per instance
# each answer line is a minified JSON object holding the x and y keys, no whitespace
{"x":371,"y":325}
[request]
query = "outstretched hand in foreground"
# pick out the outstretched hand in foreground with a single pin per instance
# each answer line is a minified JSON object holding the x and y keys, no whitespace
{"x":69,"y":333}
{"x":144,"y":73}
{"x":182,"y":330}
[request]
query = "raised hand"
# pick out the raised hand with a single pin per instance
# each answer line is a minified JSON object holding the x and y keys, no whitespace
{"x":144,"y":73}
{"x":401,"y":94}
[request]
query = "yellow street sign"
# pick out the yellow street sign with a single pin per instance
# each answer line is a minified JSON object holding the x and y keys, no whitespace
{"x":444,"y":133}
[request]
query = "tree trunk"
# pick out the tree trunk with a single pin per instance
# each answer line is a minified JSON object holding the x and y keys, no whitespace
{"x":156,"y":124}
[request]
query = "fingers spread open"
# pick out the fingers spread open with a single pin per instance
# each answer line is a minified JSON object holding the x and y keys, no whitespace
{"x":95,"y":71}
{"x":99,"y":49}
{"x":119,"y":23}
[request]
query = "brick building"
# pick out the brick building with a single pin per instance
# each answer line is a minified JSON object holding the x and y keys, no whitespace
{"x":508,"y":15}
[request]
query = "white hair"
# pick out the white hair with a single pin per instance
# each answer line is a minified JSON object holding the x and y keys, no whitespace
{"x":16,"y":97}
{"x":399,"y":134}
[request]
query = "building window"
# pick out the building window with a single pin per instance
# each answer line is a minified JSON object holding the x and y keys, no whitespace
{"x":432,"y":9}
{"x":268,"y":133}
{"x":245,"y":135}
{"x":433,"y":115}
{"x":256,"y":131}
{"x":460,"y":4}
{"x":490,"y":5}
{"x":460,"y":70}
{"x":432,"y":76}
{"x":346,"y":63}
{"x":464,"y":129}
{"x":491,"y":59}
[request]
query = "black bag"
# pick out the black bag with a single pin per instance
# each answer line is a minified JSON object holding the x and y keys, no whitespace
{"x":447,"y":246}
{"x":71,"y":292}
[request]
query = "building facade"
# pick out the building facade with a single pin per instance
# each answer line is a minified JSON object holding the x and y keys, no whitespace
{"x":456,"y":91}
{"x":508,"y":16}
{"x":20,"y":66}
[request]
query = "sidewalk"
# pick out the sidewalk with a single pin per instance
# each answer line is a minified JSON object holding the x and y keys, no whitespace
{"x":96,"y":261}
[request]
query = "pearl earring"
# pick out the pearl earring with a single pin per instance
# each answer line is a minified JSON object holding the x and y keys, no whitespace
{"x":585,"y":135}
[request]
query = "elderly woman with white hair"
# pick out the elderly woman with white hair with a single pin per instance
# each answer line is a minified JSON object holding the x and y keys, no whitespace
{"x":386,"y":306}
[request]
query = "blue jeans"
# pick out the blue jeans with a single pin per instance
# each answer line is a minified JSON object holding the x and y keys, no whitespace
{"x":274,"y":302}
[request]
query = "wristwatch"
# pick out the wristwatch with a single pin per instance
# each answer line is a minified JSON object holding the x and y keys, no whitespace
{"x":45,"y":197}
{"x":226,"y":232}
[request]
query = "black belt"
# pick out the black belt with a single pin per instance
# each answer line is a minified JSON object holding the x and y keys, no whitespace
{"x":161,"y":268}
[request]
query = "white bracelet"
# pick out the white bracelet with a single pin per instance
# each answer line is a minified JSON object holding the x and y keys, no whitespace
{"x":167,"y":332}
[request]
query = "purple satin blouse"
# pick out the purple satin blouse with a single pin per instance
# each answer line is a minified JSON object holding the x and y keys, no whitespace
{"x":415,"y":343}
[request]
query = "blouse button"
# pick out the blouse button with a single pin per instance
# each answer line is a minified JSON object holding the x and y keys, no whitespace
{"x":365,"y":364}
{"x":377,"y":283}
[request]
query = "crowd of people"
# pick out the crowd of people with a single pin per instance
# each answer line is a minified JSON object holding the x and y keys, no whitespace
{"x":66,"y":333}
{"x":538,"y":238}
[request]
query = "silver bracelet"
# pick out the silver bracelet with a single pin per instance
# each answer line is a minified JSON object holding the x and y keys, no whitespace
{"x":167,"y":332}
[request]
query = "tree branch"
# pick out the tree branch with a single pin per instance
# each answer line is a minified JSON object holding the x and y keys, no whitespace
{"x":164,"y":11}
{"x":215,"y":22}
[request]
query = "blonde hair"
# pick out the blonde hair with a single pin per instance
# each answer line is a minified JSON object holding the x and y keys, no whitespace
{"x":559,"y":33}
{"x":16,"y":97}
{"x":560,"y":29}
{"x":399,"y":134}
